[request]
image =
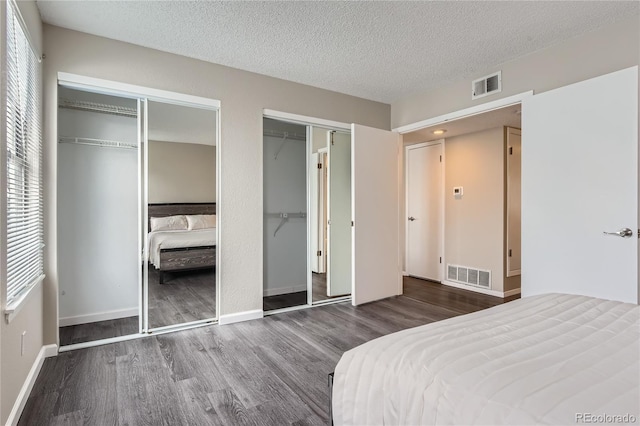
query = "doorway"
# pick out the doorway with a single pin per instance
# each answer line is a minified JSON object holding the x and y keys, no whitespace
{"x":473,"y":222}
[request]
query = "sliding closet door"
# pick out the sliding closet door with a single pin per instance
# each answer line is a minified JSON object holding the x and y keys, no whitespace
{"x":376,"y":206}
{"x":339,"y":271}
{"x":181,"y":212}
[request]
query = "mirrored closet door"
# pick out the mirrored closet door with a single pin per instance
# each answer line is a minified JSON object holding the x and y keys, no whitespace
{"x":98,"y":215}
{"x":307,"y":214}
{"x":182,"y":225}
{"x":137,"y":228}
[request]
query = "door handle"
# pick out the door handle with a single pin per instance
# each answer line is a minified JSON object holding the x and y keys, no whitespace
{"x":411,"y":218}
{"x":624,"y":233}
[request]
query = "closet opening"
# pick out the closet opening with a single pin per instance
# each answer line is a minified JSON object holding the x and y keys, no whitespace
{"x":307,"y":214}
{"x":136,"y":211}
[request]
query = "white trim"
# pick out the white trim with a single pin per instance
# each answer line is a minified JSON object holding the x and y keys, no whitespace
{"x":100,"y":316}
{"x":512,"y":292}
{"x":331,"y":301}
{"x":94,"y":343}
{"x":11,"y":311}
{"x":181,"y":326}
{"x":487,"y":291}
{"x":305,"y":120}
{"x":463,"y":113}
{"x":45,"y":352}
{"x":240,"y":316}
{"x":443,"y":200}
{"x":50,"y":350}
{"x":131,"y":90}
{"x":284,"y":290}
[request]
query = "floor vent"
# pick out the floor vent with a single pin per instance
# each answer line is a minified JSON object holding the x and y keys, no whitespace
{"x":486,"y":85}
{"x":466,"y":275}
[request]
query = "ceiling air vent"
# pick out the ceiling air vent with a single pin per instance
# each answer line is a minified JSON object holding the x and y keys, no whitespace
{"x":486,"y":85}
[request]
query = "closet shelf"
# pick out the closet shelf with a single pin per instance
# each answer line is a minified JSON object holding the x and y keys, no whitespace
{"x":98,"y":142}
{"x":97,"y":107}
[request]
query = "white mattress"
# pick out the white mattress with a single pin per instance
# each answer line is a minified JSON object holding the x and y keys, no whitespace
{"x":178,"y":239}
{"x":539,"y":360}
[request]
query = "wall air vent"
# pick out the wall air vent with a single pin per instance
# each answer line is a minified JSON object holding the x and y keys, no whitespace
{"x":467,"y":275}
{"x":486,"y":85}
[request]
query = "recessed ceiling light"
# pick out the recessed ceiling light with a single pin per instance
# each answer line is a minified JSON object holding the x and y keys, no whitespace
{"x":439,"y":132}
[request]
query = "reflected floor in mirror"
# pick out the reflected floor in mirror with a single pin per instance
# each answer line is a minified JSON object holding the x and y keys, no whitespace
{"x":184,"y":297}
{"x":89,"y":332}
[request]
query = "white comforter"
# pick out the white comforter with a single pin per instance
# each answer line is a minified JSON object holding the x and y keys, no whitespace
{"x":178,"y":239}
{"x":539,"y":360}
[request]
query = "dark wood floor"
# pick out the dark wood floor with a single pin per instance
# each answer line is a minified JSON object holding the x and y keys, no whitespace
{"x":454,"y":299}
{"x":271,"y":371}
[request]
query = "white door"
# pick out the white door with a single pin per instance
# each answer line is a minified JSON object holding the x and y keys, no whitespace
{"x":339,"y":229}
{"x":424,"y":189}
{"x":514,"y":198}
{"x":580,"y":179}
{"x":375,"y":206}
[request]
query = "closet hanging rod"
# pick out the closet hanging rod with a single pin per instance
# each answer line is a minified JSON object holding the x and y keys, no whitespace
{"x":104,"y":143}
{"x":284,"y":218}
{"x":98,"y":107}
{"x":288,"y":135}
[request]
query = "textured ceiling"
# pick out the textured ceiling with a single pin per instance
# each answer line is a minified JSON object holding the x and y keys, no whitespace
{"x":375,"y":50}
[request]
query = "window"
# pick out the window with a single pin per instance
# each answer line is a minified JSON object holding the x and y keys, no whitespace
{"x":24,"y":209}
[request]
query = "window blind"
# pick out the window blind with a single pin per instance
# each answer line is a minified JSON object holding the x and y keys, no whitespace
{"x":25,"y":236}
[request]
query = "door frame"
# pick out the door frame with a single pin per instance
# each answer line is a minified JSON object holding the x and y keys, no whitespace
{"x":508,"y":163}
{"x":408,"y":148}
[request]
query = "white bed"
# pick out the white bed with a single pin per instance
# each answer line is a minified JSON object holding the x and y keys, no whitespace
{"x":159,"y":240}
{"x":538,"y":360}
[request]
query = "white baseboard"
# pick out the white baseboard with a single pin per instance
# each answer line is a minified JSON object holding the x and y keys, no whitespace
{"x":284,"y":290}
{"x":45,"y":352}
{"x":512,"y":292}
{"x":100,"y":316}
{"x":487,"y":291}
{"x":240,"y":316}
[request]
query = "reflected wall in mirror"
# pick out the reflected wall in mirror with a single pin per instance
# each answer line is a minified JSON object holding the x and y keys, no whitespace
{"x":330,"y":213}
{"x":182,"y":231}
{"x":97,"y":216}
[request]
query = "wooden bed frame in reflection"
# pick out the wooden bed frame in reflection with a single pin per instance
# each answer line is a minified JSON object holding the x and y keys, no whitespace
{"x":188,"y":258}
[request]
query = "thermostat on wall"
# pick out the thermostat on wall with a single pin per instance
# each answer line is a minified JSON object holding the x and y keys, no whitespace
{"x":457,"y":192}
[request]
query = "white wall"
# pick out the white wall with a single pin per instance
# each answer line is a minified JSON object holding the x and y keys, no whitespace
{"x":181,"y":172}
{"x":14,"y":365}
{"x":97,"y":219}
{"x":285,"y":254}
{"x":474,"y":224}
{"x":243,"y":96}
